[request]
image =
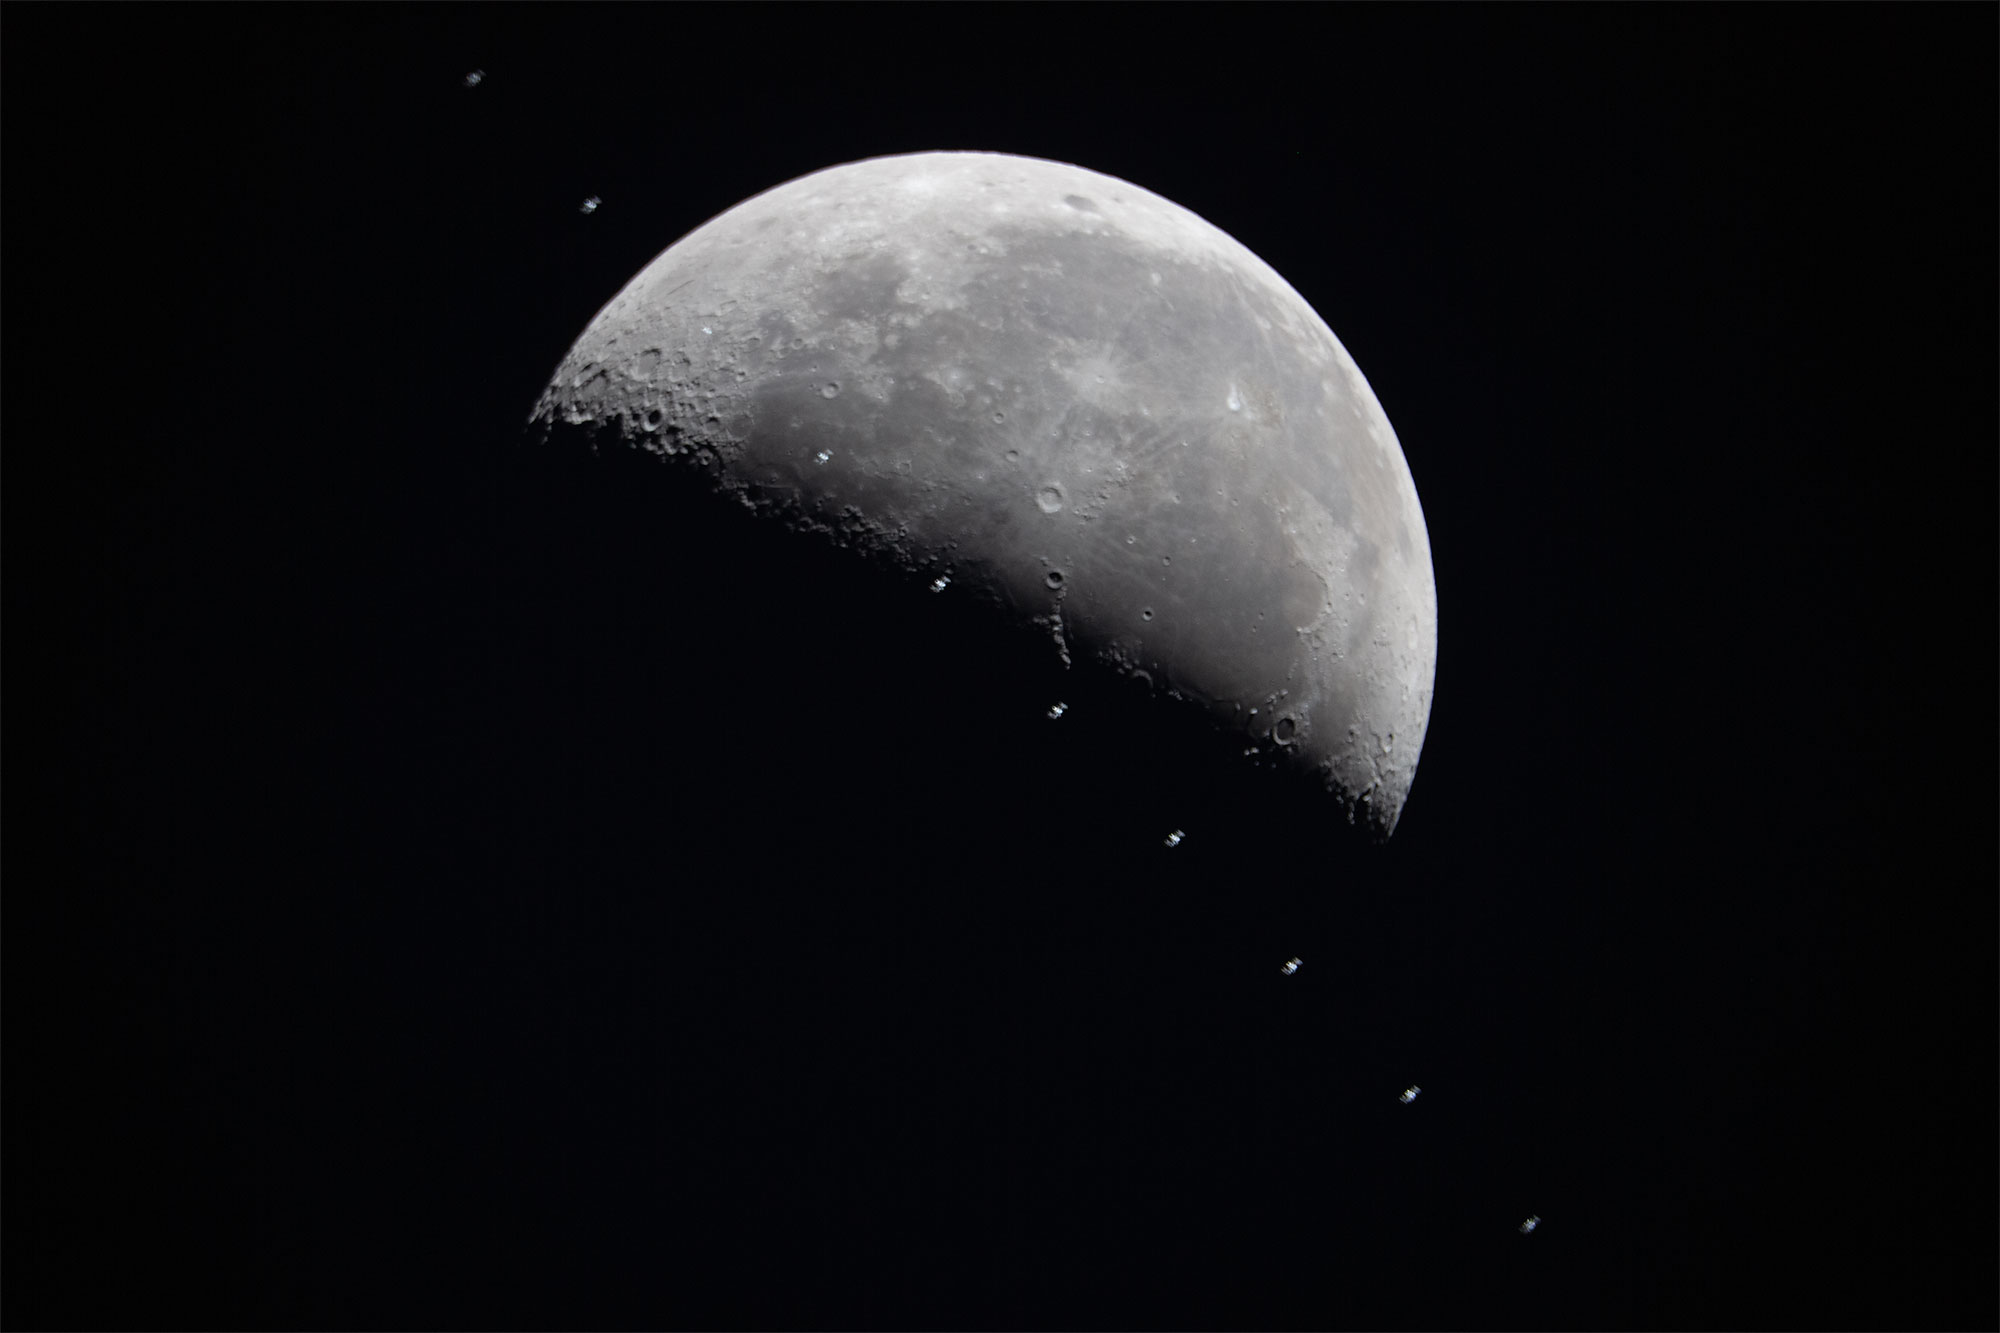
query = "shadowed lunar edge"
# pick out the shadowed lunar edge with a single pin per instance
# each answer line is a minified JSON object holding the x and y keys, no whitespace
{"x":1065,"y":396}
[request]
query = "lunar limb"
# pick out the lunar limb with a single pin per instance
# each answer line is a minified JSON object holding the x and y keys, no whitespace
{"x":1059,"y":394}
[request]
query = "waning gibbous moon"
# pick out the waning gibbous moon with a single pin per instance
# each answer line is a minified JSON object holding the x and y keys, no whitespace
{"x":1064,"y":396}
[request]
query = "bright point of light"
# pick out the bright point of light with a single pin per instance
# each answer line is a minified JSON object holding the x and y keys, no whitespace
{"x":940,"y":582}
{"x":1530,"y":1225}
{"x":1174,"y":838}
{"x":1058,"y":711}
{"x":590,"y":205}
{"x":1290,"y":967}
{"x":1409,"y":1094}
{"x":472,"y":80}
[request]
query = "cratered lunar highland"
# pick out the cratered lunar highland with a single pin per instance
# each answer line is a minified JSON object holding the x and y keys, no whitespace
{"x":1065,"y":396}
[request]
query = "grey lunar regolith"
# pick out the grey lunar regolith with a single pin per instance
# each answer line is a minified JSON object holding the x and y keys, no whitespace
{"x":1075,"y":400}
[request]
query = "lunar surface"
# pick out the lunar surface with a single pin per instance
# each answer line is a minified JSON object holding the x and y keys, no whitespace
{"x":1025,"y":383}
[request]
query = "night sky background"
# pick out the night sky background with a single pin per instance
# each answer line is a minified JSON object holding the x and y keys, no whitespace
{"x":449,"y":885}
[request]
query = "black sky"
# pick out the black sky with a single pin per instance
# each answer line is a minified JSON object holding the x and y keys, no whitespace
{"x":451,"y":887}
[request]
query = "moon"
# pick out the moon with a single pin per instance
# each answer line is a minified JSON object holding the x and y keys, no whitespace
{"x":1061,"y":395}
